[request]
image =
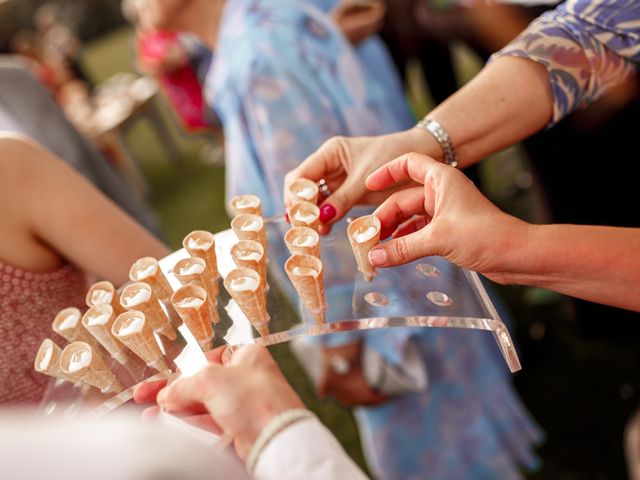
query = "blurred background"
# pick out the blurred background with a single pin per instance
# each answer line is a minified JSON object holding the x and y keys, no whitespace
{"x":579,"y":375}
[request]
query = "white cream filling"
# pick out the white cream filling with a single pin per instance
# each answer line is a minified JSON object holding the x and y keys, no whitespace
{"x":99,"y":296}
{"x":192,"y":269}
{"x":243,"y":284}
{"x":249,"y":255}
{"x":146,"y":271}
{"x":364,"y":234}
{"x":198,"y":244}
{"x":304,"y":241}
{"x":190,"y":302}
{"x":79,"y":360}
{"x":48,"y":355}
{"x":251,"y":226}
{"x":245,"y":202}
{"x":304,"y":217}
{"x":306,"y":193}
{"x":304,"y":271}
{"x":138,"y":297}
{"x":132,"y":325}
{"x":70,"y":321}
{"x":100,"y":319}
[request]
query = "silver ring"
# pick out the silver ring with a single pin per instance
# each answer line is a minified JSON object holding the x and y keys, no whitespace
{"x":323,"y":188}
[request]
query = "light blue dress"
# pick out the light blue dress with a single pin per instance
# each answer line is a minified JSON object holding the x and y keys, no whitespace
{"x":284,"y":80}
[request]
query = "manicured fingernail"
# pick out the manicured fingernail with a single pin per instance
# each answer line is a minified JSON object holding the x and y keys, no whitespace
{"x":378,"y":257}
{"x":327,"y":212}
{"x":286,"y":217}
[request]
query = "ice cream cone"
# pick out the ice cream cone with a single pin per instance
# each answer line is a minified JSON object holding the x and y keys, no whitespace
{"x":364,"y":233}
{"x":139,"y":296}
{"x":304,"y":214}
{"x":147,"y":270}
{"x":307,"y":275}
{"x":67,"y":323}
{"x":98,"y":321}
{"x":245,"y":288}
{"x":245,"y":204}
{"x":250,"y":254}
{"x":303,"y":190}
{"x":47,"y":360}
{"x":190,"y":301}
{"x":194,"y":271}
{"x":131,"y":328}
{"x":303,"y":241}
{"x":200,"y":243}
{"x":79,"y":361}
{"x":250,"y":227}
{"x":104,"y":292}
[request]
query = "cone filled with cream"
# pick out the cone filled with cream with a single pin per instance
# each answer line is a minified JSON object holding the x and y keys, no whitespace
{"x":98,"y":321}
{"x":139,"y":296}
{"x":47,"y":360}
{"x":67,"y":323}
{"x":194,"y":271}
{"x":202,"y":244}
{"x":245,"y":204}
{"x":190,"y":301}
{"x":245,"y":288}
{"x":104,"y":292}
{"x":303,"y":241}
{"x":364,"y":233}
{"x":304,"y":214}
{"x":307,"y":275}
{"x":148,"y":270}
{"x":132,"y":329}
{"x":250,"y":227}
{"x":250,"y":254}
{"x":79,"y":361}
{"x":303,"y":190}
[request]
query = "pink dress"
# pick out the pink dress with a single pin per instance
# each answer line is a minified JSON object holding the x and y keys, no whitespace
{"x":28,"y":303}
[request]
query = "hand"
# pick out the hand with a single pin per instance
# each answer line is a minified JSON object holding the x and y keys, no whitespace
{"x":447,"y":216}
{"x":241,"y":397}
{"x":346,"y":162}
{"x":359,"y":20}
{"x":349,"y":388}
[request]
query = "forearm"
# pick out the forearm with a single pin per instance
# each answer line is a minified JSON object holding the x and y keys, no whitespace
{"x":599,"y":264}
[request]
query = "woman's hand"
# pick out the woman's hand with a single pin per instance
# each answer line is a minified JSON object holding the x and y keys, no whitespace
{"x":344,"y":163}
{"x":241,"y":397}
{"x":446,"y":216}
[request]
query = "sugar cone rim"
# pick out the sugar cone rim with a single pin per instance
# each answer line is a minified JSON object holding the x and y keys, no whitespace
{"x":103,"y":285}
{"x":136,"y":266}
{"x":199,"y":260}
{"x":305,"y":261}
{"x":55,"y":356}
{"x":293,"y":192}
{"x":129,"y":287}
{"x":247,"y":245}
{"x":94,"y":309}
{"x":69,"y":350}
{"x":309,"y":207}
{"x":62,"y":315}
{"x":199,"y":233}
{"x":189,"y":290}
{"x":123,"y":317}
{"x":239,"y":220}
{"x":296,"y":232}
{"x":255,"y":206}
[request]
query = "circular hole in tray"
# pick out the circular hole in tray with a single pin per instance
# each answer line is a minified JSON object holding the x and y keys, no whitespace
{"x":440,"y":299}
{"x":428,"y":270}
{"x":376,"y":299}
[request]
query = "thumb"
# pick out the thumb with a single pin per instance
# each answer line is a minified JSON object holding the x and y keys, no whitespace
{"x":338,"y":204}
{"x":401,"y":250}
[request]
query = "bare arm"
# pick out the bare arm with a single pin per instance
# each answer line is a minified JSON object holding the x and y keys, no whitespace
{"x":50,"y":214}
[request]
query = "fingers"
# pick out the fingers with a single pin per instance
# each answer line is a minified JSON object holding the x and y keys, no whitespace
{"x":412,"y":225}
{"x":402,"y":250}
{"x":338,"y":204}
{"x":190,"y":393}
{"x":252,"y":356}
{"x":412,"y":166}
{"x":202,"y":421}
{"x":398,"y":208}
{"x":146,"y":392}
{"x":217,"y":354}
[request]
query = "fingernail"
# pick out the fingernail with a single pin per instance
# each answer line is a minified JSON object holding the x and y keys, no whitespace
{"x":327,"y":212}
{"x":378,"y":257}
{"x":286,"y":217}
{"x":161,"y":397}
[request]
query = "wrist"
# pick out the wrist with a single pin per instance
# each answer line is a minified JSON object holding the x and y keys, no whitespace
{"x":421,"y":141}
{"x":517,"y":253}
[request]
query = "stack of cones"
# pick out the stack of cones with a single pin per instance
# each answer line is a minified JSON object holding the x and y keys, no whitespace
{"x":139,"y":296}
{"x":304,"y":214}
{"x":303,"y":190}
{"x":80,"y":362}
{"x":364,"y":234}
{"x":147,"y":270}
{"x":307,"y":275}
{"x":190,"y":301}
{"x":47,"y":360}
{"x":303,"y":241}
{"x":194,"y":271}
{"x":104,"y":292}
{"x":250,"y":227}
{"x":202,"y":244}
{"x":250,"y":254}
{"x":131,"y":328}
{"x":245,"y":204}
{"x":98,"y":321}
{"x":67,"y":323}
{"x":244,"y":286}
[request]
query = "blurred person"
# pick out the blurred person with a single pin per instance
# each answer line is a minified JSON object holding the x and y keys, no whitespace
{"x":56,"y":230}
{"x":284,"y":79}
{"x":23,"y":44}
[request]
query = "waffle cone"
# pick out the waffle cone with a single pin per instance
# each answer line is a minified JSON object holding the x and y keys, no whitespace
{"x":251,"y":302}
{"x":307,"y":209}
{"x":102,"y":332}
{"x":254,"y":209}
{"x":260,"y":266}
{"x":297,"y":232}
{"x":151,"y":308}
{"x":108,"y":287}
{"x":53,"y":368}
{"x":197,"y":319}
{"x":207,"y":254}
{"x":142,"y":343}
{"x":361,"y":249}
{"x":97,"y":373}
{"x":259,"y":235}
{"x":204,"y":280}
{"x":302,"y":183}
{"x":155,"y":278}
{"x":75,"y":333}
{"x":309,"y":287}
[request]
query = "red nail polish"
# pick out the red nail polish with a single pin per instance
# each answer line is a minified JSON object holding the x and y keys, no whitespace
{"x":286,"y":217}
{"x":327,"y":212}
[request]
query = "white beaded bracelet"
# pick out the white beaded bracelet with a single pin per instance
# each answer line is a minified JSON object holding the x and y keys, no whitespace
{"x":275,"y":426}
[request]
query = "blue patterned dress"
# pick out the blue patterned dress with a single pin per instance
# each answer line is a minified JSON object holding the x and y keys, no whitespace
{"x":283,"y":81}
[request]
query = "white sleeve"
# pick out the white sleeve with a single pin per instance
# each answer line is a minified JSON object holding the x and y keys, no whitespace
{"x":305,"y":449}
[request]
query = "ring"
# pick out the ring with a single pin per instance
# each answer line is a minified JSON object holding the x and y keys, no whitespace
{"x":323,"y":188}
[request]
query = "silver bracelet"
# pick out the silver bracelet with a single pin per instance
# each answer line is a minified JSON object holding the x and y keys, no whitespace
{"x":275,"y":426}
{"x":442,"y":137}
